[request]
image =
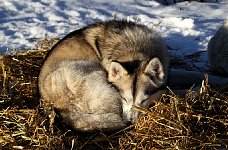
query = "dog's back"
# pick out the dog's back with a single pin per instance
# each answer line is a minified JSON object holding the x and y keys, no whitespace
{"x":218,"y":50}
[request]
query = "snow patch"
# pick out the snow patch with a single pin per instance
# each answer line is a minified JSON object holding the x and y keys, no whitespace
{"x":179,"y":22}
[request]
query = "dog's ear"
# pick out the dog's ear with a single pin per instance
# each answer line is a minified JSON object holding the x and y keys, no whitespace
{"x":154,"y":68}
{"x":116,"y":71}
{"x":92,"y":37}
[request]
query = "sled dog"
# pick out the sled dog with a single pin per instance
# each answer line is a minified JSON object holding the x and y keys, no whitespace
{"x":95,"y":75}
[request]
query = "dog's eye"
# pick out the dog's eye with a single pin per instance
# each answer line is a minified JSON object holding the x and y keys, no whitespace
{"x":143,"y":101}
{"x":125,"y":99}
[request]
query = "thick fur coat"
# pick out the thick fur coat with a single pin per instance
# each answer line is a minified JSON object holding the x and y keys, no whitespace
{"x":94,"y":76}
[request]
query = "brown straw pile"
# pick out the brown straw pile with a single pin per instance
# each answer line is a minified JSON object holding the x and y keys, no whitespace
{"x":198,"y":121}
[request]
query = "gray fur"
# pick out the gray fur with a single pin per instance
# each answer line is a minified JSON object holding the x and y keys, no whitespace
{"x":78,"y":75}
{"x":218,"y":50}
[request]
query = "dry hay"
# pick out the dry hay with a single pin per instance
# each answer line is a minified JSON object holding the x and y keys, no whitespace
{"x":198,"y":121}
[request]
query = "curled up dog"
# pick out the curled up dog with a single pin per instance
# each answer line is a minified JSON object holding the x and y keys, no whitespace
{"x":94,"y":76}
